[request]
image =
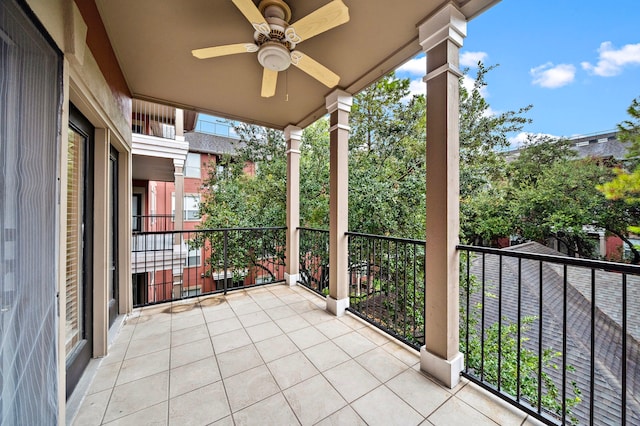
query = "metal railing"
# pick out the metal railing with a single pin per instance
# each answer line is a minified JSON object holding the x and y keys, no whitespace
{"x":153,"y":119}
{"x":314,"y":259}
{"x":556,"y":336}
{"x":154,"y":222}
{"x":387,"y":281}
{"x":176,"y":265}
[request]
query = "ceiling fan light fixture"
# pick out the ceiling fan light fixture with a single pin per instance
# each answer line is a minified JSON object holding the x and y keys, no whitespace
{"x":274,"y":56}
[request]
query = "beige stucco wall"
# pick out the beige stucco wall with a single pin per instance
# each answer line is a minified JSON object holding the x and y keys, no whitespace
{"x":86,"y":87}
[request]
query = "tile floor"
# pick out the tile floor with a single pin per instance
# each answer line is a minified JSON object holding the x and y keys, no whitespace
{"x":270,"y":356}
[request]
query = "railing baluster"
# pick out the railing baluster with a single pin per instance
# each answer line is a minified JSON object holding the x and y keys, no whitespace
{"x":564,"y":344}
{"x":592,"y":366}
{"x":519,"y":338}
{"x":623,"y":357}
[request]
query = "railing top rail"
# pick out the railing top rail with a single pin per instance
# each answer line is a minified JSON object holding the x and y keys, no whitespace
{"x":194,"y":231}
{"x":303,"y":228}
{"x":571,"y":261}
{"x":384,"y":237}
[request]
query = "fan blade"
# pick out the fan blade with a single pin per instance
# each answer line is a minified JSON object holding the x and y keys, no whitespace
{"x":315,"y":69}
{"x":328,"y":16}
{"x":269,"y":80}
{"x":229,"y":49}
{"x":253,"y":15}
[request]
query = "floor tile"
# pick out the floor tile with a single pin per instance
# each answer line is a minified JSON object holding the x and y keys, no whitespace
{"x":381,"y":364}
{"x":326,"y":355}
{"x":493,"y":407}
{"x":152,"y":416}
{"x":93,"y":408}
{"x":224,"y":325}
{"x":105,"y":377}
{"x":192,"y":376}
{"x":383,"y":407}
{"x":345,"y":416}
{"x":354,"y":343}
{"x":238,"y":360}
{"x":374,"y":335}
{"x":230,"y":340}
{"x":313,"y":400}
{"x":191,"y":334}
{"x":143,"y":346}
{"x":246,"y":308}
{"x":418,"y":391}
{"x":143,"y":366}
{"x":199,"y":407}
{"x":353,"y":322}
{"x":274,"y":410}
{"x":249,"y":387}
{"x":276,"y":347}
{"x":191,"y":352}
{"x":455,"y":412}
{"x":187,"y":321}
{"x":292,"y":323}
{"x":351,"y":380}
{"x":254,"y":318}
{"x":292,"y":369}
{"x":333,"y":328}
{"x":138,"y":395}
{"x":408,"y":356}
{"x":280,"y":312}
{"x":263,"y":331}
{"x":317,"y":316}
{"x":307,"y":337}
{"x":218,"y":313}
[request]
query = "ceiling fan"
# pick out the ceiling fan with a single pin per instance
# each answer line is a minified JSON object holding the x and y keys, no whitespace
{"x":275,"y":39}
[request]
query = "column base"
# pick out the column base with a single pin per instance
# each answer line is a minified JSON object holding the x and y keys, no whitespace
{"x":291,"y":279}
{"x":337,"y":307}
{"x":446,"y":371}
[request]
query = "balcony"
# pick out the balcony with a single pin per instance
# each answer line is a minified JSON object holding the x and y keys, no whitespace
{"x":270,"y":355}
{"x":213,"y":331}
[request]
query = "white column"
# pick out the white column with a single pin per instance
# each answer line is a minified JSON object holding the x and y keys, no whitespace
{"x":293,"y":135}
{"x":338,"y":105}
{"x":441,"y":37}
{"x":179,"y":123}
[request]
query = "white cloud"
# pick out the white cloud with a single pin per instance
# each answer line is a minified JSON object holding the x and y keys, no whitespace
{"x":553,"y":76}
{"x":417,"y":87}
{"x":521,"y":138}
{"x":471,"y":59}
{"x":611,"y":61}
{"x":416,"y":66}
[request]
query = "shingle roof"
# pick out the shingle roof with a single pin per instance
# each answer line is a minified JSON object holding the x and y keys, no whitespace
{"x":608,"y":332}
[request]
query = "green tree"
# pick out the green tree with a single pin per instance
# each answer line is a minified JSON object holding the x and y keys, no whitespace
{"x":626,"y":184}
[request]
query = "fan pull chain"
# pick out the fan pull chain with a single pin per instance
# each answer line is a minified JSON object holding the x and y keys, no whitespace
{"x":286,"y":84}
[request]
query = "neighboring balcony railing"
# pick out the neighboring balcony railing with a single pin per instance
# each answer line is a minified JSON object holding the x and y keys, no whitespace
{"x":387,"y":280}
{"x":176,"y":265}
{"x":314,"y":259}
{"x":556,"y":336}
{"x":150,"y":223}
{"x":153,"y":119}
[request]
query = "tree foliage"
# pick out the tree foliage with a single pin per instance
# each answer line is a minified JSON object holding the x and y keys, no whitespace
{"x":626,"y":184}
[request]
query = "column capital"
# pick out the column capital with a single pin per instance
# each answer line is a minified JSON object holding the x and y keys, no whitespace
{"x":178,"y":162}
{"x":448,"y":23}
{"x":339,"y":100}
{"x":292,"y":132}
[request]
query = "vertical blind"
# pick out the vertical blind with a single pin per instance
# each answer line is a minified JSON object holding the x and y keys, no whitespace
{"x":30,"y":88}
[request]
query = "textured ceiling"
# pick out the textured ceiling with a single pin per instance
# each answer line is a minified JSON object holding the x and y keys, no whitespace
{"x":153,"y":40}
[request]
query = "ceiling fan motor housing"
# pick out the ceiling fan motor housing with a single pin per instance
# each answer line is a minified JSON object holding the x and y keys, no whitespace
{"x":274,"y":56}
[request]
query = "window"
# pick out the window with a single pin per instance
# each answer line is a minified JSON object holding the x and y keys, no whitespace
{"x":191,"y":207}
{"x":192,"y":165}
{"x":194,"y":257}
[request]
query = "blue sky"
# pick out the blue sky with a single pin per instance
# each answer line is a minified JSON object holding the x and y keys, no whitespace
{"x":576,"y":62}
